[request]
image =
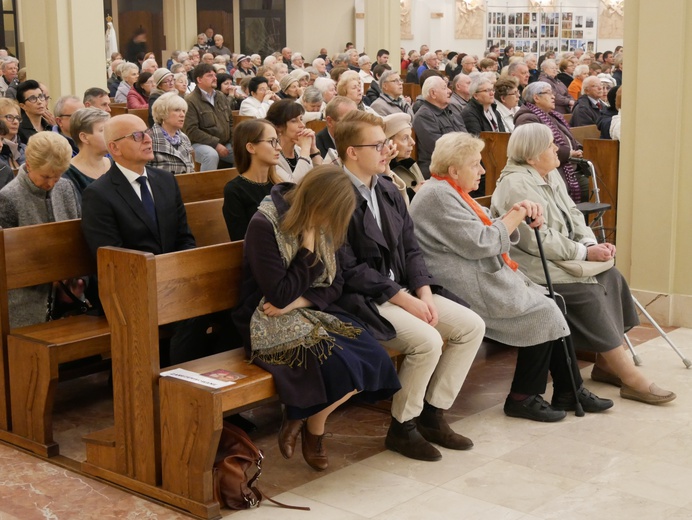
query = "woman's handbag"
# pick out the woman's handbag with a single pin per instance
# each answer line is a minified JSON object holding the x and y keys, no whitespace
{"x":584,"y":268}
{"x":236,"y":455}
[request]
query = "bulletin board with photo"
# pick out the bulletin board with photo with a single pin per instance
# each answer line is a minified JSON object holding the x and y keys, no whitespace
{"x":538,"y":31}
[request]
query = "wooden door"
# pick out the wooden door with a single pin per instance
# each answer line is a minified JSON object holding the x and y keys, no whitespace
{"x":220,"y":21}
{"x":152,"y":22}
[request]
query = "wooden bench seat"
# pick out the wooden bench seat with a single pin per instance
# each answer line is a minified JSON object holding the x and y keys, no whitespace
{"x":34,"y":255}
{"x":32,"y":355}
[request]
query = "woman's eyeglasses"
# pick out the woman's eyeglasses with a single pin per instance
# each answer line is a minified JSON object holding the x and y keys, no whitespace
{"x":11,"y":118}
{"x":274,"y":142}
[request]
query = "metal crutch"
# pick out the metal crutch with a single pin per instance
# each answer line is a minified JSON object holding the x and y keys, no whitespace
{"x":578,"y":409}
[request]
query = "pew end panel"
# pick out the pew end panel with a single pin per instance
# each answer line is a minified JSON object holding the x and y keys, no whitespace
{"x":494,"y":157}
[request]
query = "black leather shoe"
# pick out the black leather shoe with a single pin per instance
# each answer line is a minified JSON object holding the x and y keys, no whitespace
{"x":589,"y":401}
{"x":434,"y":428}
{"x":404,"y":438}
{"x":534,"y":408}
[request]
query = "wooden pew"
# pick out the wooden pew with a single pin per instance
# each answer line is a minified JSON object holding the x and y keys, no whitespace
{"x":142,"y":113}
{"x":34,"y":255}
{"x":204,"y":185}
{"x":118,"y":110}
{"x":494,"y":157}
{"x":316,"y":125}
{"x":413,"y":90}
{"x":205,"y":219}
{"x":141,"y":291}
{"x":42,"y":254}
{"x":605,"y":156}
{"x":581,"y":133}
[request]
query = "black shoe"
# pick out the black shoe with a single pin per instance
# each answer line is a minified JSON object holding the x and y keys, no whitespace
{"x":404,"y":438}
{"x":434,"y":428}
{"x":589,"y":401}
{"x":533,"y":407}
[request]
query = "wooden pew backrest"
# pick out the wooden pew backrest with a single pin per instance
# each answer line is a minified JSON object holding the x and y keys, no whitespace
{"x":204,"y":185}
{"x":494,"y":157}
{"x":205,"y":219}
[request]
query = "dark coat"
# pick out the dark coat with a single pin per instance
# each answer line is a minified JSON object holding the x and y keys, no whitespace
{"x":605,"y":120}
{"x":369,"y":254}
{"x":113,"y":215}
{"x":525,"y":116}
{"x":430,"y":123}
{"x":475,"y":120}
{"x":565,"y":78}
{"x":26,"y":129}
{"x":584,"y":112}
{"x":324,"y":141}
{"x":373,"y":93}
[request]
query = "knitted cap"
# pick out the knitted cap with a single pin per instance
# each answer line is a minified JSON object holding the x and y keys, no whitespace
{"x":286,"y":81}
{"x":395,"y":123}
{"x":159,"y":75}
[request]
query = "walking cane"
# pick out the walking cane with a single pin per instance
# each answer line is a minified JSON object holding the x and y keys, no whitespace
{"x":578,"y":409}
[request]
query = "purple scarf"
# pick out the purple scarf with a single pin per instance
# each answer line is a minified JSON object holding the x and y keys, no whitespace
{"x":560,"y":140}
{"x":173,"y":139}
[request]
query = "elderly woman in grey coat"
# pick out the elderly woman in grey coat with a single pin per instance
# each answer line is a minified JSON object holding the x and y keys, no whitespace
{"x":599,"y":305}
{"x":39,"y":195}
{"x":469,"y":253}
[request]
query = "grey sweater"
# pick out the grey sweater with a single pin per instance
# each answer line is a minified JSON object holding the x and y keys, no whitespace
{"x":22,"y":203}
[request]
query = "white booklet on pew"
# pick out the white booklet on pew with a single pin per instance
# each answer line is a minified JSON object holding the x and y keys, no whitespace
{"x":194,"y":377}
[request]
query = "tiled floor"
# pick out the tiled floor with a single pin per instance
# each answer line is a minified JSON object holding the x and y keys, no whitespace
{"x":633,"y":461}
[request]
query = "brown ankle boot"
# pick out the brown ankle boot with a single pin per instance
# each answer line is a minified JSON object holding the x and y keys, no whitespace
{"x":434,"y":428}
{"x":288,"y":435}
{"x":314,"y":451}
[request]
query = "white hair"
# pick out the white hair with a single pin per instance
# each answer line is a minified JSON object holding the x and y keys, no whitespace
{"x":323,"y":84}
{"x":429,"y":85}
{"x":363,"y":60}
{"x":316,"y":61}
{"x":528,"y":142}
{"x":269,"y":60}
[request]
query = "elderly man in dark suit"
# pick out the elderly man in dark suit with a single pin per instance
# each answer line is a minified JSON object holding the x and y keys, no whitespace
{"x":137,"y":207}
{"x":390,"y":290}
{"x":133,"y":206}
{"x":587,"y":110}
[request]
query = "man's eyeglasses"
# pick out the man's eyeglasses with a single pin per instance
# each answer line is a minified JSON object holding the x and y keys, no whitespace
{"x":548,"y":93}
{"x":11,"y":118}
{"x":395,"y":80}
{"x":137,"y":137}
{"x":274,"y":142}
{"x":484,"y":90}
{"x":34,"y":99}
{"x":377,"y":146}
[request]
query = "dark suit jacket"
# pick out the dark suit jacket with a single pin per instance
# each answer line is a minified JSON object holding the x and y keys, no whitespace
{"x":324,"y":142}
{"x":475,"y":120}
{"x":113,"y":215}
{"x":584,"y":112}
{"x":369,"y":254}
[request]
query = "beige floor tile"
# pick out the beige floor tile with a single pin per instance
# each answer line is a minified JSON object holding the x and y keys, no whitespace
{"x":681,"y":514}
{"x":318,"y":511}
{"x":362,"y":490}
{"x":440,"y":504}
{"x":494,"y":434}
{"x":453,"y":465}
{"x":648,"y":478}
{"x":511,"y":485}
{"x":590,"y":502}
{"x":565,"y":457}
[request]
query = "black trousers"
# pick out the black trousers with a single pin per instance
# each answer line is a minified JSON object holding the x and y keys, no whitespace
{"x":533,"y":364}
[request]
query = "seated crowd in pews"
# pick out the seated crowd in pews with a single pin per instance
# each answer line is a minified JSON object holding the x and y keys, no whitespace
{"x":335,"y":266}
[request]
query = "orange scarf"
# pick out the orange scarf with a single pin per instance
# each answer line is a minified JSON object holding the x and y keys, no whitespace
{"x":478,"y":210}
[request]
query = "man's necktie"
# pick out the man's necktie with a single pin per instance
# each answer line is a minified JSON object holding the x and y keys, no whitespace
{"x":147,"y":199}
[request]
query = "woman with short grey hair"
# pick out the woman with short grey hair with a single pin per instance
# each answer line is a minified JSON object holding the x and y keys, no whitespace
{"x":480,"y":113}
{"x":129,"y":72}
{"x":172,"y":148}
{"x":539,"y":107}
{"x":328,"y":88}
{"x":598,"y":303}
{"x":549,"y":72}
{"x":313,"y":103}
{"x":86,"y":129}
{"x":468,"y":251}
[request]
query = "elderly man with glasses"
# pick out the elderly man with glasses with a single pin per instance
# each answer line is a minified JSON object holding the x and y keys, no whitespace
{"x":391,"y":100}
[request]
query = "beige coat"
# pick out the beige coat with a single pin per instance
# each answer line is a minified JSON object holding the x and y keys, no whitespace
{"x":521,"y":182}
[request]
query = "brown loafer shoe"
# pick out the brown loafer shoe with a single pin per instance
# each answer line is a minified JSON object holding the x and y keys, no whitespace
{"x":405,"y":438}
{"x":655,"y":395}
{"x":314,"y":451}
{"x":288,"y":435}
{"x":600,"y":375}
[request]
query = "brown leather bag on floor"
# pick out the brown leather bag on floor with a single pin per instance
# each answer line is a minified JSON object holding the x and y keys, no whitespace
{"x":236,"y":455}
